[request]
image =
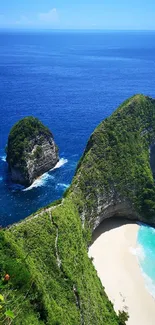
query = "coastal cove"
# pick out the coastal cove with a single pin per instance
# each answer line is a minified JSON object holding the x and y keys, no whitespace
{"x":99,"y":191}
{"x":104,"y":168}
{"x":116,"y":252}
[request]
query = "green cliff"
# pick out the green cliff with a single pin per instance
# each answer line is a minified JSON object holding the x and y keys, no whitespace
{"x":115,"y":176}
{"x":52,"y":280}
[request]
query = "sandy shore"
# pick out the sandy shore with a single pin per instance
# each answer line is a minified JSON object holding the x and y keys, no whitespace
{"x":119,"y":271}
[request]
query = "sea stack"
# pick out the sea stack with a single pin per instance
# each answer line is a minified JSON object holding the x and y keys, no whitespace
{"x":31,"y":151}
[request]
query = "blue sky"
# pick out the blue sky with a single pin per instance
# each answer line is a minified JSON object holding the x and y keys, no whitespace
{"x":77,"y":14}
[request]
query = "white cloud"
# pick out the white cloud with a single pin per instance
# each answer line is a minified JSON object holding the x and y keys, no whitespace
{"x":46,"y":19}
{"x":49,"y":17}
{"x":23,"y":20}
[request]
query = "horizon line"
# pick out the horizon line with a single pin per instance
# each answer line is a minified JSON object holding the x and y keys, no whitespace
{"x":73,"y":29}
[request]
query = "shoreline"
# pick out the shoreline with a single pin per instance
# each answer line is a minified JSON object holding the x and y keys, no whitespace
{"x":114,"y":242}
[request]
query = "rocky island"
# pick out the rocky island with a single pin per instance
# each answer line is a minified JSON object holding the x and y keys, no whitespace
{"x":31,"y":151}
{"x":52,"y":279}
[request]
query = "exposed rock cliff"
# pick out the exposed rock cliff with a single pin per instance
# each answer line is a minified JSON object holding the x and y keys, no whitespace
{"x":31,"y":151}
{"x":52,"y":280}
{"x":115,"y":174}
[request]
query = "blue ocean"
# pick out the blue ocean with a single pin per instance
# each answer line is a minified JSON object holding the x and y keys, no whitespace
{"x":71,"y":81}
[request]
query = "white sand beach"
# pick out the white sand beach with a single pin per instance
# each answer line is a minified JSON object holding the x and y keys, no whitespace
{"x":118,"y":269}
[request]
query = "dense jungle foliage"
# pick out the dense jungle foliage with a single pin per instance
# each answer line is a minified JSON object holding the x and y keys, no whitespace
{"x":116,"y":162}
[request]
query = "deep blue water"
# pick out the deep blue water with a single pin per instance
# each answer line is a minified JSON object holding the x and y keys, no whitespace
{"x":71,"y":81}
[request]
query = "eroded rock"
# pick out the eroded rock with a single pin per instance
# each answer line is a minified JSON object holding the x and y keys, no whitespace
{"x":31,"y":151}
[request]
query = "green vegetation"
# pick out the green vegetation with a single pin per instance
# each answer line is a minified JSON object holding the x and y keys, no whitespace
{"x":52,"y":280}
{"x":38,"y":152}
{"x":42,"y":289}
{"x":123,"y":317}
{"x":20,"y":137}
{"x":116,"y":164}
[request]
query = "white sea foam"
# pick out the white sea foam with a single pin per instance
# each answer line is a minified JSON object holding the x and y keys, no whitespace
{"x":149,"y":283}
{"x":152,"y":230}
{"x":3,"y":158}
{"x":138,"y":252}
{"x":41,"y":181}
{"x":60,"y":163}
{"x":146,"y":238}
{"x":63,"y":185}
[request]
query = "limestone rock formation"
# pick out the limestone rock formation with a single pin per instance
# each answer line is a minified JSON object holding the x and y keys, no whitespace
{"x":31,"y":151}
{"x":52,"y":278}
{"x":115,"y":176}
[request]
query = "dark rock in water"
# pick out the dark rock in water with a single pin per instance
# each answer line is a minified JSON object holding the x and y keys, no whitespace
{"x":31,"y":151}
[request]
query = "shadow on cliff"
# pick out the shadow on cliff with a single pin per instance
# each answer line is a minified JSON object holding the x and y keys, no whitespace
{"x":108,"y":225}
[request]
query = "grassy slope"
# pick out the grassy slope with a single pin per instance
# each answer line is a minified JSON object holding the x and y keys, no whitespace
{"x":52,"y":279}
{"x":41,"y":292}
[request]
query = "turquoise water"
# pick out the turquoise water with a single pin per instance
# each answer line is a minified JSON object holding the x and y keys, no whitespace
{"x":71,"y":81}
{"x":146,"y":255}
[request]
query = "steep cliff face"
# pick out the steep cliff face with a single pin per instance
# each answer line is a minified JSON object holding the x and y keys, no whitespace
{"x":31,"y":151}
{"x":115,"y":175}
{"x":52,"y":279}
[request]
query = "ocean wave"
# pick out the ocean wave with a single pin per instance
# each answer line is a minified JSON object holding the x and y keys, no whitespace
{"x":149,"y":283}
{"x":146,"y":228}
{"x":60,"y":163}
{"x":75,"y":155}
{"x":3,"y":158}
{"x":42,"y":180}
{"x":146,"y":238}
{"x":39,"y":182}
{"x":138,"y":252}
{"x":62,"y":185}
{"x":142,"y":259}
